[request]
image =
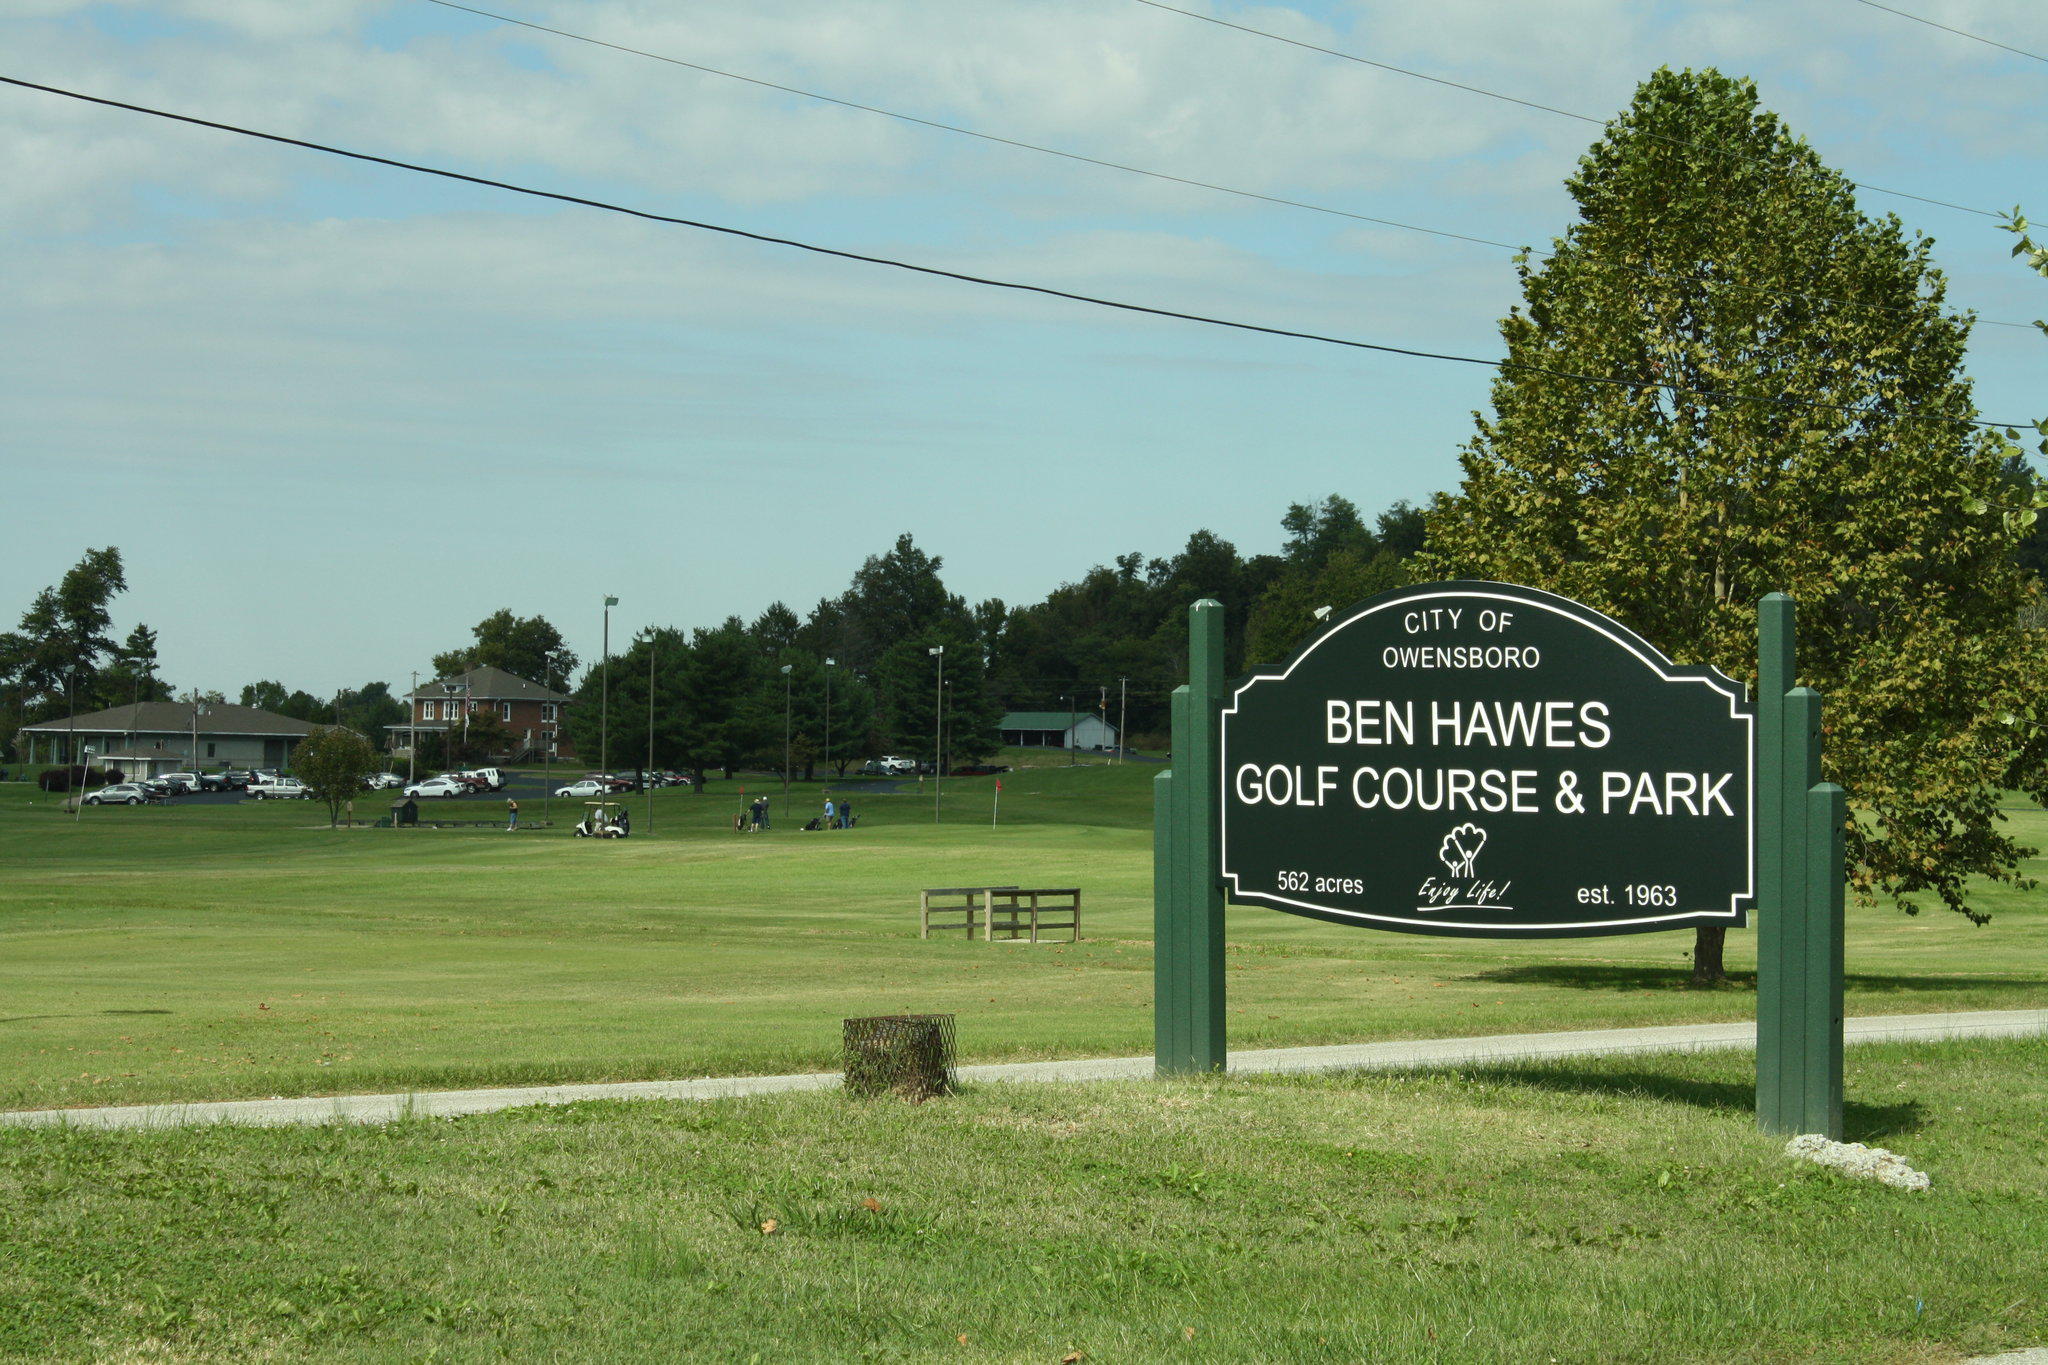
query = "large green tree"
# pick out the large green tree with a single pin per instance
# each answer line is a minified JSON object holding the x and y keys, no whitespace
{"x":62,"y":646}
{"x":1776,"y":401}
{"x":524,"y":646}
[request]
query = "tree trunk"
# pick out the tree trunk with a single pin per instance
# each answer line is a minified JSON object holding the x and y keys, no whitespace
{"x":1707,"y":943}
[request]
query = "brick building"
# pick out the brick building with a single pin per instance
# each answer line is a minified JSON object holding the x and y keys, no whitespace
{"x":533,"y":713}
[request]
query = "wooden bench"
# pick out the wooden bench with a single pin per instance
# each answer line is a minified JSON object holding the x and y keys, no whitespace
{"x":1017,"y":913}
{"x":968,"y":902}
{"x":1011,"y":913}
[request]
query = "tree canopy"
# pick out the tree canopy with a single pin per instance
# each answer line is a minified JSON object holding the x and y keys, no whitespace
{"x":1791,"y":414}
{"x":524,"y":646}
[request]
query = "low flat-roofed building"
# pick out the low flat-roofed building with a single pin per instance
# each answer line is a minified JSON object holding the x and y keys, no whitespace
{"x":1058,"y":730}
{"x":196,"y":737}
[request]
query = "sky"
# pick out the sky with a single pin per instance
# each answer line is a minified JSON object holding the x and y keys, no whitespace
{"x":335,"y":414}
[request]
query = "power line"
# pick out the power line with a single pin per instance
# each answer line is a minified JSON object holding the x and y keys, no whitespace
{"x":1975,"y":38}
{"x":975,"y":132}
{"x":1496,"y":95}
{"x":1516,"y":366}
{"x":1022,"y":145}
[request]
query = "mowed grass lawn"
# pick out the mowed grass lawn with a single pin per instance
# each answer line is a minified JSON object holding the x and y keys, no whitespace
{"x":1602,"y":1211}
{"x":207,"y":952}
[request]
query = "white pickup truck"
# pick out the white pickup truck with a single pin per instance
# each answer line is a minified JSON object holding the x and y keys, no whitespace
{"x":279,"y":789}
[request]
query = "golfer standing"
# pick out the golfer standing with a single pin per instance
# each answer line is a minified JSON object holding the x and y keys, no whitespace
{"x":512,"y":812}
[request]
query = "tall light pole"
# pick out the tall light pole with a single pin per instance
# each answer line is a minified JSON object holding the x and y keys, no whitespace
{"x":647,"y":786}
{"x":1123,"y":706}
{"x":938,"y":715}
{"x":196,"y":713}
{"x":452,"y":688}
{"x":1073,"y":719}
{"x":828,"y":711}
{"x":77,"y":797}
{"x":604,"y":696}
{"x":412,"y":755}
{"x":785,"y":744}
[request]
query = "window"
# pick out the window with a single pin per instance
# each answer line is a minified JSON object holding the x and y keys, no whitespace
{"x":209,"y":751}
{"x":472,"y":704}
{"x":505,"y":710}
{"x":427,"y":710}
{"x":547,"y":711}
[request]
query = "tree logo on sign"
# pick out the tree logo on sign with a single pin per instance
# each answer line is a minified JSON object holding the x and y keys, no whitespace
{"x":1461,"y":847}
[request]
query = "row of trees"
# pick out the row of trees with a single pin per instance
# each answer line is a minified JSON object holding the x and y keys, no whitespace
{"x":860,"y":674}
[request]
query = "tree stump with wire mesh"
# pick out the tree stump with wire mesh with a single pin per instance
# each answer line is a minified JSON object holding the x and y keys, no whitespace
{"x":907,"y":1055}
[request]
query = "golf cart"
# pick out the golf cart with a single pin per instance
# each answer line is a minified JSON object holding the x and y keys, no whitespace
{"x":604,"y":820}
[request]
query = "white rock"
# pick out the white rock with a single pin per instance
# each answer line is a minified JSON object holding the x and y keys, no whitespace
{"x":1853,"y":1158}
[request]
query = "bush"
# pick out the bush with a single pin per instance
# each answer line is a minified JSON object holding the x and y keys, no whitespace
{"x":63,"y":779}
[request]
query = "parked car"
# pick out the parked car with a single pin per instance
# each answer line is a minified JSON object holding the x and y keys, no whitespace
{"x":213,"y":782}
{"x":157,"y":787}
{"x":121,"y":794}
{"x":891,"y":764}
{"x":492,"y":779}
{"x":378,"y":782}
{"x":280,"y":789}
{"x":183,"y":782}
{"x":438,"y":786}
{"x":236,"y":779}
{"x":979,"y":769}
{"x":589,"y":786}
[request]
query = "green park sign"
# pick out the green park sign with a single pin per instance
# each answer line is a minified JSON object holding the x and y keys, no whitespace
{"x":1487,"y":760}
{"x":1484,"y":760}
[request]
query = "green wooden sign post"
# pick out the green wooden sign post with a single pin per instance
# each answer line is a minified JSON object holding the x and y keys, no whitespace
{"x":1799,"y":868}
{"x":1187,"y":881}
{"x":1798,"y":841}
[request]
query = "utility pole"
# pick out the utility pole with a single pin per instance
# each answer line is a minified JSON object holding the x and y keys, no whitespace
{"x":195,"y":732}
{"x":785,"y":742}
{"x":828,"y":711}
{"x":1123,"y":706}
{"x":604,"y":695}
{"x":1073,"y":719}
{"x":938,"y":713}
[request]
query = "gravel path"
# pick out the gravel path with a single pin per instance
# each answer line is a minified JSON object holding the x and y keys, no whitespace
{"x":1346,"y":1056}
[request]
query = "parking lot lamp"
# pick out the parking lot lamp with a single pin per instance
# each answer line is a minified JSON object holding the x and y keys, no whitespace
{"x":412,"y":725}
{"x":938,"y":715}
{"x":1073,"y":719}
{"x":604,"y":696}
{"x":645,"y":785}
{"x":197,"y":711}
{"x":785,"y":739}
{"x":453,"y":688}
{"x":78,"y":797}
{"x":828,"y":710}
